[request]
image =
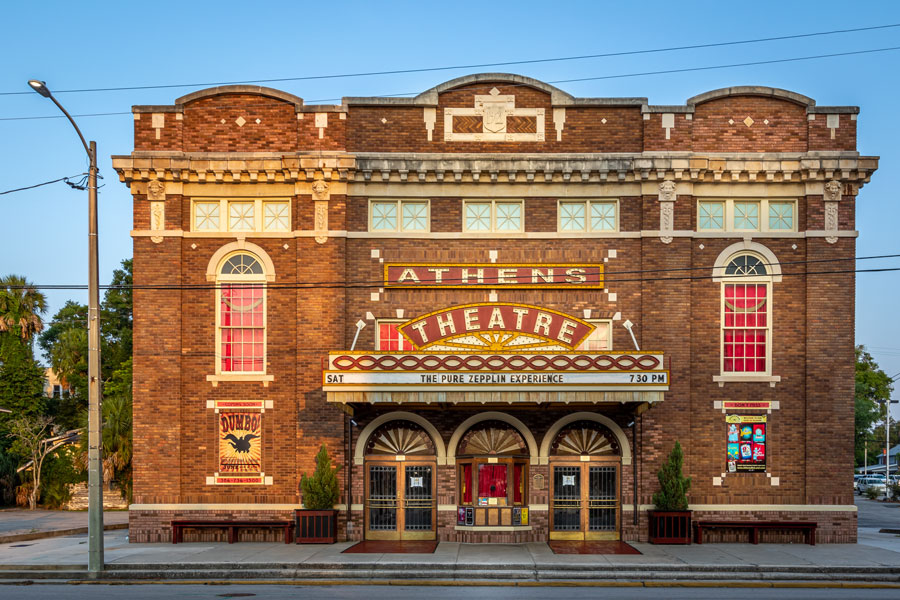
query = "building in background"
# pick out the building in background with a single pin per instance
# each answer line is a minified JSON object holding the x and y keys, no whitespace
{"x":497,"y":305}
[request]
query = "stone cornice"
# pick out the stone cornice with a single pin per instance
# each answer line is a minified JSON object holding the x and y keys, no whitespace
{"x":848,"y":167}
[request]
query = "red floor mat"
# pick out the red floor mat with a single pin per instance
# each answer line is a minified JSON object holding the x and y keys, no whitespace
{"x":386,"y":547}
{"x":612,"y":547}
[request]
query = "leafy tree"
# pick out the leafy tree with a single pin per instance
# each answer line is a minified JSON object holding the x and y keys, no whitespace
{"x":673,"y":485}
{"x":322,"y":490}
{"x":31,"y":440}
{"x":21,"y":307}
{"x":9,"y":478}
{"x":872,"y":386}
{"x":21,"y":380}
{"x":60,"y":471}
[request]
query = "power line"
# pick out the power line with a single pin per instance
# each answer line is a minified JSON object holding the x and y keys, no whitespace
{"x":321,"y":286}
{"x":81,"y":176}
{"x":475,"y":66}
{"x":579,"y":79}
{"x":380,"y":283}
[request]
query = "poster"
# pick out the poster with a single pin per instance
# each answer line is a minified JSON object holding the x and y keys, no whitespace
{"x":461,"y":515}
{"x":240,"y":442}
{"x":746,"y":438}
{"x":470,"y":516}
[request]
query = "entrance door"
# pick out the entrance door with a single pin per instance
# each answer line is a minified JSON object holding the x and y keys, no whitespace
{"x":584,"y":501}
{"x":400,"y":501}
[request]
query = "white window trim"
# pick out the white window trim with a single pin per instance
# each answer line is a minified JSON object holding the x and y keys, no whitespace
{"x":260,"y":279}
{"x":748,"y":376}
{"x":728,"y":214}
{"x":609,"y":324}
{"x":587,"y":215}
{"x":378,"y":323}
{"x":399,"y":204}
{"x":493,"y":202}
{"x":225,"y":215}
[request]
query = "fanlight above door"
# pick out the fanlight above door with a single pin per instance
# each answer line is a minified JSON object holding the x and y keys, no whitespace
{"x":492,"y":437}
{"x":585,"y":438}
{"x":400,"y":437}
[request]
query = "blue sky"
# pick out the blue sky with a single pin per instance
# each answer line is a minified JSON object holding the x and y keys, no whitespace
{"x":107,"y":44}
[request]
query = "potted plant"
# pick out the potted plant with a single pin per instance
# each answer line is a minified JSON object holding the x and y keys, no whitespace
{"x":670,"y":523}
{"x":317,"y":521}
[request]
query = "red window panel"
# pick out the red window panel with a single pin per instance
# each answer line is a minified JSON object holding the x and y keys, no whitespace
{"x":241,"y":328}
{"x":467,"y":484}
{"x":390,"y":340}
{"x":491,"y":481}
{"x":746,"y":321}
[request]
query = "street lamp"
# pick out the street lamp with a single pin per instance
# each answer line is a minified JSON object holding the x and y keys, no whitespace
{"x":95,"y":474}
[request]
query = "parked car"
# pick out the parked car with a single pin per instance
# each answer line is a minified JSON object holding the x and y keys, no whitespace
{"x":871,"y":481}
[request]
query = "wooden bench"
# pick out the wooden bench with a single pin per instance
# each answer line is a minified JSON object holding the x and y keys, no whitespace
{"x":178,"y":528}
{"x":807,"y":527}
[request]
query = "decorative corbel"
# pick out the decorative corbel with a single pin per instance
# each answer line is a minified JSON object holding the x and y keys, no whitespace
{"x":832,"y":197}
{"x":666,"y":210}
{"x":156,"y":193}
{"x":321,"y":195}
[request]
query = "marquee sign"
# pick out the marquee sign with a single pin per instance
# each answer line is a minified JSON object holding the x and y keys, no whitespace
{"x":496,"y":327}
{"x":491,"y":275}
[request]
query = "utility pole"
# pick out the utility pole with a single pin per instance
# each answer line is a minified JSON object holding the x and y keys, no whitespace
{"x":95,"y":472}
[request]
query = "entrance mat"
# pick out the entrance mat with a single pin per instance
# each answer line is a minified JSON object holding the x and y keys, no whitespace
{"x":391,"y":547}
{"x":592,"y":547}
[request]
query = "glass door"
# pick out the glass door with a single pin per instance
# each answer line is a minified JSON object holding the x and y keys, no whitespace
{"x":603,"y":503}
{"x":400,"y":501}
{"x":584,"y":501}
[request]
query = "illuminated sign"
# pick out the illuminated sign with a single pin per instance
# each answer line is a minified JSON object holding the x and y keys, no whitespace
{"x":491,"y":275}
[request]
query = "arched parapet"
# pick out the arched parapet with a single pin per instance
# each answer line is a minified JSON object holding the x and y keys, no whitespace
{"x":220,"y":254}
{"x":753,"y":90}
{"x":362,"y":440}
{"x":771,"y":261}
{"x":624,"y":446}
{"x":241,"y":89}
{"x":557,"y":96}
{"x":492,"y":416}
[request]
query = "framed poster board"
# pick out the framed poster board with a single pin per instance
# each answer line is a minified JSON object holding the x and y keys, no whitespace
{"x":747,"y":437}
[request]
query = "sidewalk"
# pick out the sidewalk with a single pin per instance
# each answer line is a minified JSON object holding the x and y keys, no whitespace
{"x":18,"y":525}
{"x":875,"y":559}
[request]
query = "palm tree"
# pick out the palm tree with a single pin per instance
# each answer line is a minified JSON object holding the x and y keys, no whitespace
{"x":21,"y":307}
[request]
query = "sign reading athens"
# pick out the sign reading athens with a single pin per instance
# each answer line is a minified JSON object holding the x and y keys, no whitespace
{"x":551,"y":276}
{"x":518,"y":320}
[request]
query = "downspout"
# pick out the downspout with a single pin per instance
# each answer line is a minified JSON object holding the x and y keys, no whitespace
{"x":634,"y":480}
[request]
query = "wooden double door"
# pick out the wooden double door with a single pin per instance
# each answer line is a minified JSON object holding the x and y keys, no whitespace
{"x":400,"y":500}
{"x":584,"y":500}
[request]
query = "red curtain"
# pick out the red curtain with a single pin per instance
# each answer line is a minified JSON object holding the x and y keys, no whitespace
{"x":492,"y":481}
{"x":467,"y":484}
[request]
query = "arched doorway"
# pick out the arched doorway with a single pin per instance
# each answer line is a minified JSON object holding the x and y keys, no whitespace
{"x":585,"y":466}
{"x":492,"y":473}
{"x":400,"y":482}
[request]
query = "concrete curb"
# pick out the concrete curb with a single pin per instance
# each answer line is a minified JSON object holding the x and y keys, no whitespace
{"x":37,"y":535}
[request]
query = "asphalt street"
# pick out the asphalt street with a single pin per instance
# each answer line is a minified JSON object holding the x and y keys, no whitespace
{"x":876,"y":514}
{"x":275,"y":592}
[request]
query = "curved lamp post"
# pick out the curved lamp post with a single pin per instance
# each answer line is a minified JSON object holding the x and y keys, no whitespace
{"x":95,"y":474}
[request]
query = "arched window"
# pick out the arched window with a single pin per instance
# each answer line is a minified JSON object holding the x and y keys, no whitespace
{"x":492,"y":466}
{"x":746,"y":316}
{"x":241,"y":314}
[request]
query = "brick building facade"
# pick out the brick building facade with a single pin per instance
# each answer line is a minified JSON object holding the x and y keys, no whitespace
{"x":497,"y":305}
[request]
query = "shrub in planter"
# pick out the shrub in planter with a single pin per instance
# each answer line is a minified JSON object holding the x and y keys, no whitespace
{"x":872,"y":492}
{"x":317,"y":522}
{"x":670,"y":522}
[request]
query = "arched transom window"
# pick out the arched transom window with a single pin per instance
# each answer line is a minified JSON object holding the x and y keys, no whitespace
{"x":746,"y":316}
{"x":241,"y":317}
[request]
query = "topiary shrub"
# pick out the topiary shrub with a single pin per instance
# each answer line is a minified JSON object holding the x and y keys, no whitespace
{"x":321,"y":491}
{"x":673,"y":485}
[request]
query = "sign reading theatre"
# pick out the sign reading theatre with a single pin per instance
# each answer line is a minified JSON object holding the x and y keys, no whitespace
{"x":517,"y":319}
{"x":552,"y":276}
